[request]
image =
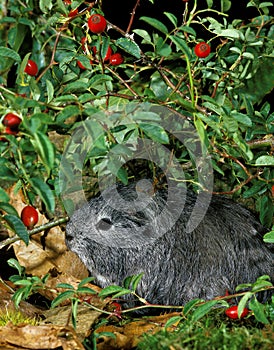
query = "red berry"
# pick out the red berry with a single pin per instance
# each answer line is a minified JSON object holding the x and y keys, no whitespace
{"x":80,"y":65}
{"x":108,"y":53}
{"x":11,"y":131}
{"x":67,"y":2}
{"x":31,"y":68}
{"x":11,"y":121}
{"x":202,"y":50}
{"x":29,"y":216}
{"x":73,"y":13}
{"x":116,"y":59}
{"x":232,"y":312}
{"x":97,"y":23}
{"x":84,"y":40}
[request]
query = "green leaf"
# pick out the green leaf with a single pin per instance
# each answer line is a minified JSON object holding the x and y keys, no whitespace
{"x":181,"y":45}
{"x":4,"y":197}
{"x":155,"y":132}
{"x":43,"y":190}
{"x":265,"y":4}
{"x":129,"y":46}
{"x":9,"y":209}
{"x":259,"y":311}
{"x":15,"y":264}
{"x":50,"y":90}
{"x":173,"y":320}
{"x":68,"y":294}
{"x":131,"y":282}
{"x":269,"y":237}
{"x":261,"y":83}
{"x":85,"y":281}
{"x":242,"y":145}
{"x":155,"y":23}
{"x":143,"y":34}
{"x":65,"y":286}
{"x":203,"y":310}
{"x":163,"y":49}
{"x":21,"y":31}
{"x":6,"y":52}
{"x":200,"y":127}
{"x":225,"y":5}
{"x":248,"y":55}
{"x":229,"y":33}
{"x":243,"y":301}
{"x":146,"y":115}
{"x":97,"y":81}
{"x":45,"y":5}
{"x":190,"y":305}
{"x":113,"y":290}
{"x":241,"y":118}
{"x":67,"y":112}
{"x":188,"y":30}
{"x":254,"y":189}
{"x":18,"y":227}
{"x":80,"y":85}
{"x":86,"y":290}
{"x":115,"y":167}
{"x":45,"y":149}
{"x":66,"y":98}
{"x":172,"y":18}
{"x":265,"y":160}
{"x":266,"y":211}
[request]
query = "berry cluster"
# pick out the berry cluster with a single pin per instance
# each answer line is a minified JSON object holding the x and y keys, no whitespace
{"x":97,"y":25}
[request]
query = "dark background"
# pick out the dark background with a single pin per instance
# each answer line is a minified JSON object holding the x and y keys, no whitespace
{"x":119,"y":12}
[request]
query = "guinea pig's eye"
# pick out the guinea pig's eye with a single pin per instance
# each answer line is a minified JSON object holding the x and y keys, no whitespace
{"x":104,"y":224}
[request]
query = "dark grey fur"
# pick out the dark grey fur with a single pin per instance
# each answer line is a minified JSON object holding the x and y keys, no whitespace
{"x":224,"y":250}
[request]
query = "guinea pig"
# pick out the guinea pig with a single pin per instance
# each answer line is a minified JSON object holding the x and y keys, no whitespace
{"x":184,"y":248}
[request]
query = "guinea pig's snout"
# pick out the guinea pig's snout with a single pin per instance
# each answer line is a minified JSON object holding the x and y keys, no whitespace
{"x":103,"y":224}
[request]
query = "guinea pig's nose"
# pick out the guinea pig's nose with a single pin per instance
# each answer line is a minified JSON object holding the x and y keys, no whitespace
{"x":104,"y":224}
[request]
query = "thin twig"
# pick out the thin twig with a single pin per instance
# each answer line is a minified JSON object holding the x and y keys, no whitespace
{"x":37,"y":229}
{"x":249,"y":176}
{"x":123,"y":82}
{"x":132,"y":16}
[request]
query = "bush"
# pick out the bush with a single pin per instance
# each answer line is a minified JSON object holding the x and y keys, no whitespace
{"x":221,"y":101}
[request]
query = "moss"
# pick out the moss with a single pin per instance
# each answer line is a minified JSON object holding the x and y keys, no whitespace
{"x":16,"y":317}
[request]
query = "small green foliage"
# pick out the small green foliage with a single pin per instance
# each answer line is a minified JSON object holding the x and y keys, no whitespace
{"x":74,"y":295}
{"x":28,"y":284}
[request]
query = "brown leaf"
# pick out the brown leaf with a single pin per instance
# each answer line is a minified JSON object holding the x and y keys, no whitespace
{"x":7,"y":305}
{"x":128,"y":336}
{"x":46,"y":250}
{"x":39,"y":337}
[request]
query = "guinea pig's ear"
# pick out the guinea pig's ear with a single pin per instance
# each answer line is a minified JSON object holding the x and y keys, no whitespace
{"x":104,"y":224}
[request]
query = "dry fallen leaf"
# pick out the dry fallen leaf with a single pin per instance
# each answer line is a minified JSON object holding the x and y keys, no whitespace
{"x":39,"y":337}
{"x":46,"y":250}
{"x":86,"y":317}
{"x":128,"y":335}
{"x":7,"y":305}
